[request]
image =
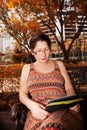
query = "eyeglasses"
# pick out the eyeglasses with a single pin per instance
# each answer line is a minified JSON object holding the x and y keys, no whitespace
{"x":39,"y":52}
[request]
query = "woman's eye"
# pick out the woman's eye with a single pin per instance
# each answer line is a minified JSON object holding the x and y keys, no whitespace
{"x":39,"y":51}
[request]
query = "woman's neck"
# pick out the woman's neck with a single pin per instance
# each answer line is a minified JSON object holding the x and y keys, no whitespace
{"x":44,"y":67}
{"x":43,"y":63}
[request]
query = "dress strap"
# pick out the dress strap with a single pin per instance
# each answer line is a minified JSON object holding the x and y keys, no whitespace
{"x":31,"y":66}
{"x":56,"y":65}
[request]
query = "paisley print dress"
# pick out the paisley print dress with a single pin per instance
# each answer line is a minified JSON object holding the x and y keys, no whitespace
{"x":46,"y":86}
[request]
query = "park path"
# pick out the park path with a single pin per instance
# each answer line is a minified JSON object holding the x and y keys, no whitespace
{"x":5,"y":121}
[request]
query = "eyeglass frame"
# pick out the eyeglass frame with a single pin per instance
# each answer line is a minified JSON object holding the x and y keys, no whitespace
{"x":39,"y":52}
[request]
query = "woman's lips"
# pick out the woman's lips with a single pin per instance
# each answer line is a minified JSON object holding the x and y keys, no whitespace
{"x":43,"y":58}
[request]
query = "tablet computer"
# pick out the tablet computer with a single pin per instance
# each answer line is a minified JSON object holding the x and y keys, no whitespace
{"x":65,"y":102}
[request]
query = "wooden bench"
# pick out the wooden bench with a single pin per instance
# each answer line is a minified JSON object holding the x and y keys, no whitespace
{"x":78,"y":77}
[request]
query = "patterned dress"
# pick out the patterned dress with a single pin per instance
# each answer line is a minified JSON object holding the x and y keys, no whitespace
{"x":46,"y":86}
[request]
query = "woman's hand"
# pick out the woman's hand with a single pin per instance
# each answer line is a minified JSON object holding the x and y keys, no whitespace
{"x":76,"y":108}
{"x":38,"y":111}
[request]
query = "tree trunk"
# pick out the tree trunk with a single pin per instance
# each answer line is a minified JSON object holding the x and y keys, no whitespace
{"x":66,"y":55}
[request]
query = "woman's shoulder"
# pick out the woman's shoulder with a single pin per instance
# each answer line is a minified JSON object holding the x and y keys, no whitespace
{"x":26,"y":67}
{"x":25,"y":71}
{"x":59,"y":62}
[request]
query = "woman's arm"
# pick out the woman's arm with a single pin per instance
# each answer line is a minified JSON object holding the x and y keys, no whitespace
{"x":23,"y":92}
{"x":68,"y":85}
{"x":36,"y":108}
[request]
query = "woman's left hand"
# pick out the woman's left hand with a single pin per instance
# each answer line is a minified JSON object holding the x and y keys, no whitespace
{"x":76,"y":108}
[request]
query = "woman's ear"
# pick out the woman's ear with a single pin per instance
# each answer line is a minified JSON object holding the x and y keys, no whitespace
{"x":31,"y":51}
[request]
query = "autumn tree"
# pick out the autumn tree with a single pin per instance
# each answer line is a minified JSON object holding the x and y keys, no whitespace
{"x":22,"y":56}
{"x":18,"y":23}
{"x":8,"y":54}
{"x":23,"y":17}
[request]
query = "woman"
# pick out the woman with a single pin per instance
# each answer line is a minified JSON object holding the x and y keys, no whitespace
{"x":44,"y":80}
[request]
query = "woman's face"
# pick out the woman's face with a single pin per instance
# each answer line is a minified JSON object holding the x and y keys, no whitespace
{"x":41,"y":51}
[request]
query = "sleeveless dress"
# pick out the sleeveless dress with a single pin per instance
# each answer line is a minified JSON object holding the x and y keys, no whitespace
{"x":46,"y":86}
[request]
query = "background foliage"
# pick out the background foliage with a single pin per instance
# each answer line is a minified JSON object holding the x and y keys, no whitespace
{"x":23,"y":18}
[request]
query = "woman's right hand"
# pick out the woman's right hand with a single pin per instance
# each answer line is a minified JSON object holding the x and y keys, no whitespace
{"x":38,"y":111}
